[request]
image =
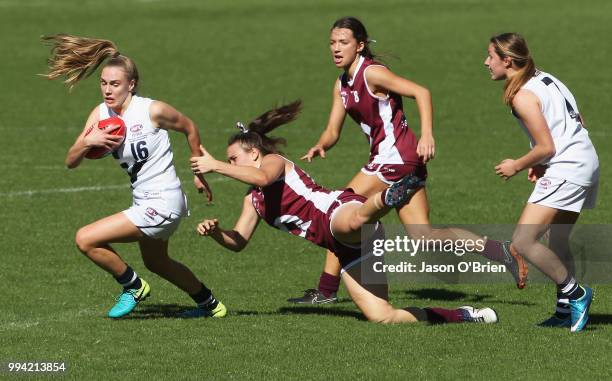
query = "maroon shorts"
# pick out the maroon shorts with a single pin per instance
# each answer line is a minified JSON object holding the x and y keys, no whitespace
{"x":392,"y":173}
{"x":345,"y":252}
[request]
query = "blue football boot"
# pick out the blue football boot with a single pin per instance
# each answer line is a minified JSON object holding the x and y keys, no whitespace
{"x":580,"y":310}
{"x":128,"y":300}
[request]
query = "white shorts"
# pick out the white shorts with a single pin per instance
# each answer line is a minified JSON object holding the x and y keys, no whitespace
{"x":563,"y":195}
{"x":157,"y":213}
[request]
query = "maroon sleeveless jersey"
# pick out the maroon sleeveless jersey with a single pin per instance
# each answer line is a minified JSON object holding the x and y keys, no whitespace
{"x":382,"y":120}
{"x":299,"y":206}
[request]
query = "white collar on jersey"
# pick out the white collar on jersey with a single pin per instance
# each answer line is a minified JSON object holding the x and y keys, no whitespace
{"x":361,"y":59}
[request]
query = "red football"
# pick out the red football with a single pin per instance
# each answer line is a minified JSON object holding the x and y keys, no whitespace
{"x":106,"y":124}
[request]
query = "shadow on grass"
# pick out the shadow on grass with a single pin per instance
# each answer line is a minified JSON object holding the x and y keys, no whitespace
{"x":157,"y":311}
{"x":174,"y":311}
{"x":303,"y":310}
{"x":448,"y":295}
{"x":325,"y":311}
{"x":600,"y":319}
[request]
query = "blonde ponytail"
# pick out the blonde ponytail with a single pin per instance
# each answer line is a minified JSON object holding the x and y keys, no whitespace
{"x":513,"y":45}
{"x":76,"y":58}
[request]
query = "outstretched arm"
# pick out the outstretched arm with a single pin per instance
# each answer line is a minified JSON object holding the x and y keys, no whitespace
{"x":167,"y":117}
{"x":272,"y":167}
{"x":380,"y":79}
{"x":237,"y":238}
{"x":331,"y":135}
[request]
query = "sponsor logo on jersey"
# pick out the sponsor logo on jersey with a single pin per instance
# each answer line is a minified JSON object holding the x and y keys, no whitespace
{"x":136,"y":128}
{"x":545,"y":183}
{"x":372,"y":167}
{"x":148,"y":194}
{"x":151,"y":212}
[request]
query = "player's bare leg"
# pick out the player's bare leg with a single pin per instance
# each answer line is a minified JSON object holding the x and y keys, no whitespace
{"x":558,"y":238}
{"x":558,"y":242}
{"x":332,"y":265}
{"x":93,"y":240}
{"x":380,"y":203}
{"x":369,"y":289}
{"x":533,"y":223}
{"x":155,"y":257}
{"x":373,"y":300}
{"x":371,"y":297}
{"x":415,"y":217}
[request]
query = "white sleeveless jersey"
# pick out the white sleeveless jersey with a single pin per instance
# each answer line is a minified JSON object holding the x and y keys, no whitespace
{"x":575,"y":159}
{"x":145,"y":154}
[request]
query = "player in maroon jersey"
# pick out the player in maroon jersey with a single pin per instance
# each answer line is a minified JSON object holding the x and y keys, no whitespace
{"x":372,"y":95}
{"x":288,"y":199}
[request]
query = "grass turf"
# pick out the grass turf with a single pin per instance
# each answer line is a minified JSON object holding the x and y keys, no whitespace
{"x":219,"y":63}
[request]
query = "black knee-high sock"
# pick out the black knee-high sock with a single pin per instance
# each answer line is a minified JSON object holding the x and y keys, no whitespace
{"x":205,"y":298}
{"x":570,"y":288}
{"x":129,"y":279}
{"x":562,"y":310}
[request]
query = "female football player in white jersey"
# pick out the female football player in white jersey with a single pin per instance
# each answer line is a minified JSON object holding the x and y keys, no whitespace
{"x":288,"y":199}
{"x":372,"y":95}
{"x":158,"y":199}
{"x":562,"y":163}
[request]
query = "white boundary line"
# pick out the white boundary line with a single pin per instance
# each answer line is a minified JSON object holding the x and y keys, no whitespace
{"x":33,"y":192}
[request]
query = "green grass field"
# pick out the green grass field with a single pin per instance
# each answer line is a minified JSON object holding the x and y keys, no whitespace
{"x":219,"y":62}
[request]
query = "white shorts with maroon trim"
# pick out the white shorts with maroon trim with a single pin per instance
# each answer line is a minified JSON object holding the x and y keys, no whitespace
{"x":561,"y":194}
{"x":157,"y":213}
{"x":392,"y":173}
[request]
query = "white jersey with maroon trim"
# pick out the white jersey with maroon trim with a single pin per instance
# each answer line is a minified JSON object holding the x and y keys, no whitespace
{"x":145,"y":154}
{"x":575,"y":159}
{"x":382,"y":119}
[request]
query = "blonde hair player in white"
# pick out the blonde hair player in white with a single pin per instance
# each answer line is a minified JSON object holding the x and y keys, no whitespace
{"x":158,"y":199}
{"x":562,"y":163}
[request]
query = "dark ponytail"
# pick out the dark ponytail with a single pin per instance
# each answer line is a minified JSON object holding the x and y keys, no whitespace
{"x":254,"y":135}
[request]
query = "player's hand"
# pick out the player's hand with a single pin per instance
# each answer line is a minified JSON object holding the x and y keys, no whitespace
{"x":202,"y":186}
{"x":506,"y":169}
{"x":102,"y":138}
{"x":198,"y":183}
{"x":203,"y":164}
{"x":535,"y":172}
{"x":314,"y":152}
{"x":207,"y":227}
{"x":426,"y":149}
